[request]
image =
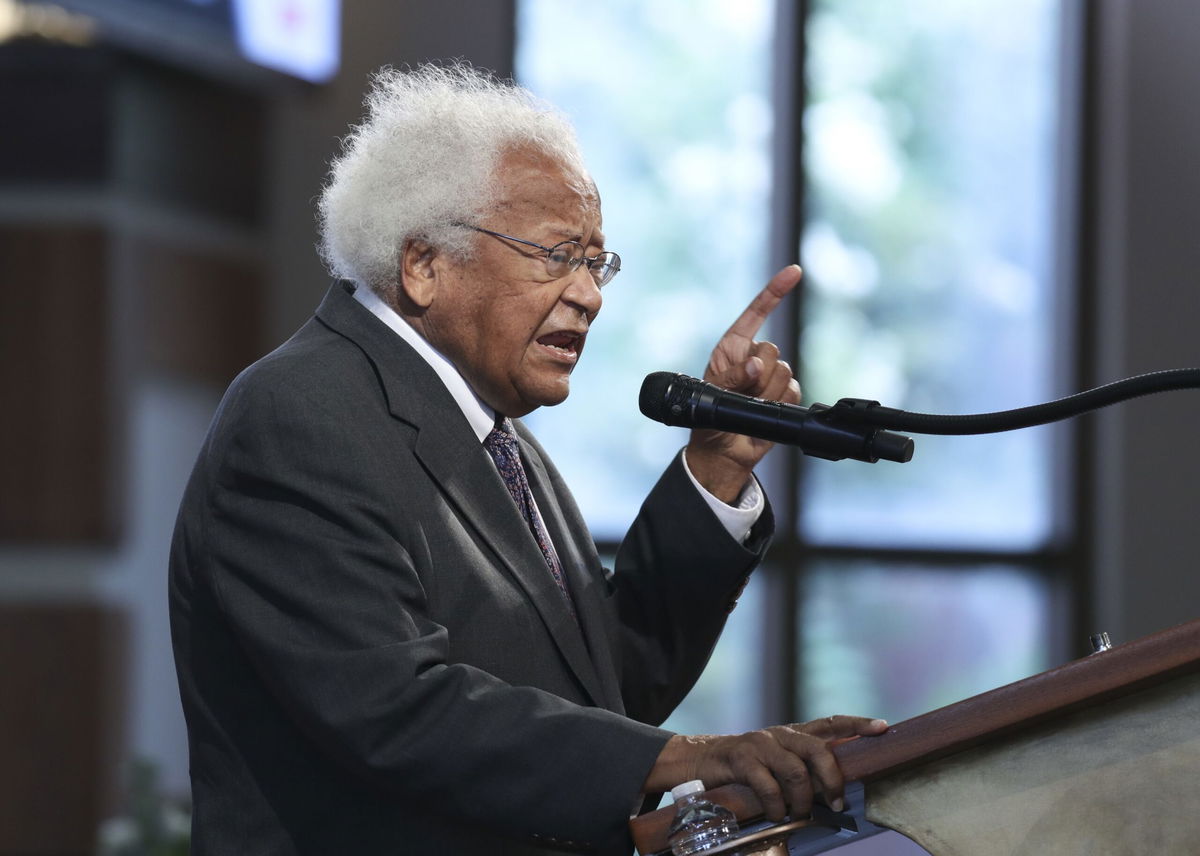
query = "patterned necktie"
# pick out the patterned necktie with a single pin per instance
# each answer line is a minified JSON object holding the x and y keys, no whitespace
{"x":503,"y":447}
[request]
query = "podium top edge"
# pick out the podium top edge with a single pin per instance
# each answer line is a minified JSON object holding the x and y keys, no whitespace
{"x":1098,"y":677}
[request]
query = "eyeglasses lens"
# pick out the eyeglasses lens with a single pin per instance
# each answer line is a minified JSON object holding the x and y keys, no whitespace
{"x":564,"y":258}
{"x":605,"y":267}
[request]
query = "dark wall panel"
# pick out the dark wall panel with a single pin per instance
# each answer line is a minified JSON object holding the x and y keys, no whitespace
{"x":56,"y":114}
{"x":201,"y":316}
{"x":60,"y":713}
{"x":57,"y":466}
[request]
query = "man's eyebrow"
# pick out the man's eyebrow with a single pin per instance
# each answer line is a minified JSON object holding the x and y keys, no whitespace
{"x":572,"y":235}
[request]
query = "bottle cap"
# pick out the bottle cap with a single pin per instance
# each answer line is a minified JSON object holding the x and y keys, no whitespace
{"x":686,"y":789}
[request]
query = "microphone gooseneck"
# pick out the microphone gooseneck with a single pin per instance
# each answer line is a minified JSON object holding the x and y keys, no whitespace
{"x":862,"y":412}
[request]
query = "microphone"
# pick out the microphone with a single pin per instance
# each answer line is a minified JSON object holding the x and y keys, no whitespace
{"x":676,"y":399}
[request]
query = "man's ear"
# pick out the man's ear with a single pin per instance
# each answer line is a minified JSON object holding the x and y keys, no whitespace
{"x":418,"y":273}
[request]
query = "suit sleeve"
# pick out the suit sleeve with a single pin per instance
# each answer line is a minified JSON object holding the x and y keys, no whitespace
{"x":310,"y":566}
{"x":678,"y":576}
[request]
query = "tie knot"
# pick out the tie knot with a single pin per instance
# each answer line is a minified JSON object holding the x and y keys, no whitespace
{"x":502,"y":445}
{"x":501,"y":437}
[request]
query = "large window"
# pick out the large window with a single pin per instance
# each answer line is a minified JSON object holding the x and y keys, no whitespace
{"x":927,"y":174}
{"x":930,"y":135}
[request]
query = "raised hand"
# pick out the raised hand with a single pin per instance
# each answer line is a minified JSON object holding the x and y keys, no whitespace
{"x":720,"y":461}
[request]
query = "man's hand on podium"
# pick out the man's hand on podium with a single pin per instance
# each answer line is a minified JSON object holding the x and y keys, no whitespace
{"x":786,"y":765}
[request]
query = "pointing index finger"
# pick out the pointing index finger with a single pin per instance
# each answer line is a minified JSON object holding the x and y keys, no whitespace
{"x":755,"y":315}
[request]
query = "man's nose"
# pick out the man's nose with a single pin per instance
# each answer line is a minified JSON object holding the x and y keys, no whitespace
{"x":582,"y":292}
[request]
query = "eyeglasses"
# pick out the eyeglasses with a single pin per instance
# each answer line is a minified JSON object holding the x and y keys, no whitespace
{"x":566,"y":256}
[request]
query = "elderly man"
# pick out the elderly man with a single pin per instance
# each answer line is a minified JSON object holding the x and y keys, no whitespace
{"x":392,"y":630}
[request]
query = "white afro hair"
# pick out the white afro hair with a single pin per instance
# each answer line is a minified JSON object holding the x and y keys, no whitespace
{"x":423,"y":160}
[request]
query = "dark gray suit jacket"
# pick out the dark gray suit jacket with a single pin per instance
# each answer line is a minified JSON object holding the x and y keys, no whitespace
{"x":372,"y":654}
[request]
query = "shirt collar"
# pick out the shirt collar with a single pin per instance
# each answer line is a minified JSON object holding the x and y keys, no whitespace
{"x":481,"y":417}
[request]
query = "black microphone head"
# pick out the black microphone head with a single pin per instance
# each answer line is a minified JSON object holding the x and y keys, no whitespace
{"x":652,"y":400}
{"x":672,"y":398}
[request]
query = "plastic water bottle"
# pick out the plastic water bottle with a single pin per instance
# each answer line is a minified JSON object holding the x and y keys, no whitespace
{"x":699,"y":824}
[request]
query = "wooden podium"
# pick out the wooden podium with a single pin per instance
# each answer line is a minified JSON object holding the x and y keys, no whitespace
{"x":1100,"y":756}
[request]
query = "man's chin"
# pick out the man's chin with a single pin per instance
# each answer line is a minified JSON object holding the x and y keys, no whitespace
{"x":546,"y":396}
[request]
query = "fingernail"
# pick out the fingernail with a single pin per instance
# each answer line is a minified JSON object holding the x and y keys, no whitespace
{"x":753,"y":369}
{"x":879,"y":723}
{"x":838,"y":804}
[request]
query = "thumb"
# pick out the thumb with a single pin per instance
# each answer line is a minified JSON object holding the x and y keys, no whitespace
{"x":833,"y":727}
{"x":739,"y":377}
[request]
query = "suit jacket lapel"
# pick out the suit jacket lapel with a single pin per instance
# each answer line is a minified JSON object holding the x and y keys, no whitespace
{"x":475,"y":487}
{"x":577,"y":556}
{"x":454,"y":458}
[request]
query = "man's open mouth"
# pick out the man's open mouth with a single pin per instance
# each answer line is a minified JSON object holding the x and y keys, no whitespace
{"x":564,"y":341}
